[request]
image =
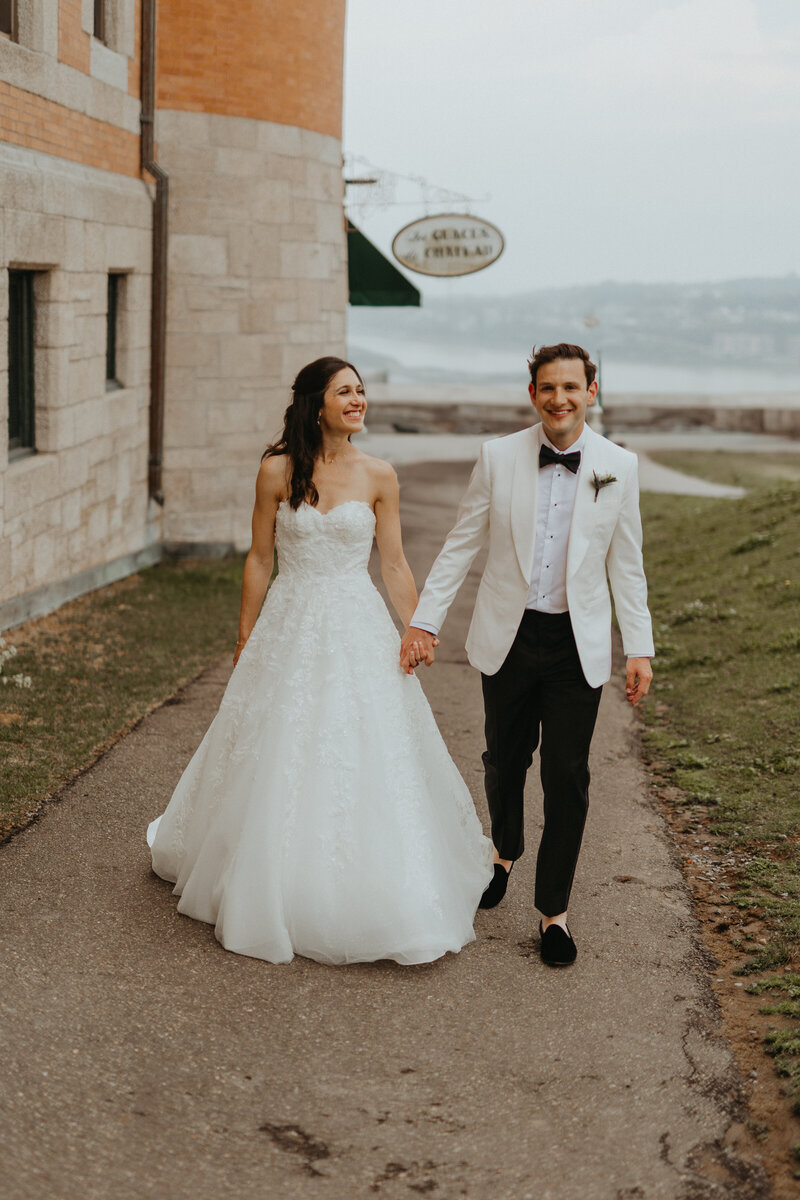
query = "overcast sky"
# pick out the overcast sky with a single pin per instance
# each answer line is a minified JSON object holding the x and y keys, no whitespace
{"x":608,"y":139}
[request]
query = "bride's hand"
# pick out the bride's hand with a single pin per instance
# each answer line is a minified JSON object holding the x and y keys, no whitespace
{"x":417,"y":647}
{"x":240,"y":645}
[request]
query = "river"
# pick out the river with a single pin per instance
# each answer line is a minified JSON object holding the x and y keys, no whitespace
{"x":408,"y":361}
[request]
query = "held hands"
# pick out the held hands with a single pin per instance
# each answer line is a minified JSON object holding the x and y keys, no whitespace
{"x":416,"y":647}
{"x":638,"y":676}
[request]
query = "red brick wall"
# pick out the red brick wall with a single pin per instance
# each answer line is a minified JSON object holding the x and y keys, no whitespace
{"x":268,"y":59}
{"x":74,"y":46}
{"x":28,"y":120}
{"x":135,"y":63}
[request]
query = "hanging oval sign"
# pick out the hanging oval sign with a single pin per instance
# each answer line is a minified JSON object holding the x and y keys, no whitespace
{"x":450,"y":244}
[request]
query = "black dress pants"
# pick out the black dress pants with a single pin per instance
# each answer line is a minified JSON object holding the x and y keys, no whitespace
{"x":541,"y":692}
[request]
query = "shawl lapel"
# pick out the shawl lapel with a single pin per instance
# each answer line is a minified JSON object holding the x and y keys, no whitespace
{"x":524,"y":491}
{"x":584,"y":513}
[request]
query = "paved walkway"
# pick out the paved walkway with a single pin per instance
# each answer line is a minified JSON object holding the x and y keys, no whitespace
{"x":142,"y":1060}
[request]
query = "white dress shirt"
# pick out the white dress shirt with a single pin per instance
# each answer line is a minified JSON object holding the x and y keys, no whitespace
{"x":557,"y":490}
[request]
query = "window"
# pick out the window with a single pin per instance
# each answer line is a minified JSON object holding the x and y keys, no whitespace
{"x":99,"y":28}
{"x":112,"y":311}
{"x":115,"y":313}
{"x":21,"y":430}
{"x":8,"y":18}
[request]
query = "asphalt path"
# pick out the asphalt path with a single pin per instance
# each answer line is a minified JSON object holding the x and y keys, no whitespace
{"x":140,"y":1059}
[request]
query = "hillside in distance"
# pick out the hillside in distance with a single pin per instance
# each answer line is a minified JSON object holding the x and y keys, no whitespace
{"x":740,"y":322}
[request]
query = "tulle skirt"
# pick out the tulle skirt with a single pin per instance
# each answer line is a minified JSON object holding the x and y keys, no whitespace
{"x":322,"y":814}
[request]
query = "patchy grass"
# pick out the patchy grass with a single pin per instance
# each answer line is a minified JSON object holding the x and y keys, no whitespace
{"x":754,"y":470}
{"x":101,"y":662}
{"x":721,"y":728}
{"x":724,"y":578}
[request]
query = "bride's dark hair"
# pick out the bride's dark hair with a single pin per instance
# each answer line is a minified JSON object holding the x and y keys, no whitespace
{"x":301,"y":437}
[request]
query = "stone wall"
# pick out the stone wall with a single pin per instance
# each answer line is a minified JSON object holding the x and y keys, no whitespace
{"x":500,"y":408}
{"x":257,"y":271}
{"x":81,"y":500}
{"x":257,"y":288}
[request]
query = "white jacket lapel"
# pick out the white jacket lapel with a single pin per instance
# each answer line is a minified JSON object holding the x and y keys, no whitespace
{"x":584,"y":512}
{"x":524,"y":490}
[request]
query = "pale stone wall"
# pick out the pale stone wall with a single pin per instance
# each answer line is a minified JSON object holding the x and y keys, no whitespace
{"x":257,"y":276}
{"x":257,"y":288}
{"x":81,"y":500}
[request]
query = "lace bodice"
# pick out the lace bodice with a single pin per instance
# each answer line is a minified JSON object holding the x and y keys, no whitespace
{"x":314,"y":545}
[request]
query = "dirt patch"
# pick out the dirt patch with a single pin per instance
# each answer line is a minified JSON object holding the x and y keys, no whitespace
{"x":711,"y":870}
{"x":292,"y":1139}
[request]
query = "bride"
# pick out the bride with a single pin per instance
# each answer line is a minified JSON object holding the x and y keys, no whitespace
{"x":322,"y":814}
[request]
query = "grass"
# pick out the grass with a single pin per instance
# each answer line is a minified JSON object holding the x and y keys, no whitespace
{"x":722,"y":724}
{"x":726,"y":605}
{"x":755,"y":470}
{"x":99,"y":664}
{"x":783,"y":1045}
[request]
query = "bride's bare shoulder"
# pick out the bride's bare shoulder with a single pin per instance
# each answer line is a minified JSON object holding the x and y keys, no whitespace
{"x":382,"y":476}
{"x":382,"y":480}
{"x":379,"y":470}
{"x":273,"y":476}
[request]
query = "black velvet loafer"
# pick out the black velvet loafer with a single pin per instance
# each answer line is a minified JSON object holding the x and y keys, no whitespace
{"x":557,"y":949}
{"x":497,"y":888}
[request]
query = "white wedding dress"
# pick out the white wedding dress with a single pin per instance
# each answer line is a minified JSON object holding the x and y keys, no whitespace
{"x":322,"y":814}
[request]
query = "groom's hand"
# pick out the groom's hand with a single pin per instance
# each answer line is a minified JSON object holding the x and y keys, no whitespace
{"x":417,"y":646}
{"x":638,"y":678}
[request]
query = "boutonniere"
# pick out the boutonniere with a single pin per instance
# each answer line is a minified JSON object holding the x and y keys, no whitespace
{"x":601,"y":481}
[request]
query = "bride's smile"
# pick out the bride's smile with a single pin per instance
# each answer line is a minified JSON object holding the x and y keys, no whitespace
{"x":345,"y":406}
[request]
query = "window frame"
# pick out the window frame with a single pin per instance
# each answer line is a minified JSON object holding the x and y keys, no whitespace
{"x":117,"y":333}
{"x":100,"y":22}
{"x":114,"y":289}
{"x":21,"y":363}
{"x":12,"y":34}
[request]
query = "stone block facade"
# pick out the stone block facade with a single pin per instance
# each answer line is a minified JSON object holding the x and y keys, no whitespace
{"x":81,"y":499}
{"x":258,"y":287}
{"x":248,"y":129}
{"x":73,"y":208}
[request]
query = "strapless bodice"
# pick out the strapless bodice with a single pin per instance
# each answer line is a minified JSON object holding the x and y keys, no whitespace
{"x":324,"y":545}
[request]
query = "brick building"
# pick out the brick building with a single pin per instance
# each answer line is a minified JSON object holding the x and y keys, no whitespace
{"x":119,"y":433}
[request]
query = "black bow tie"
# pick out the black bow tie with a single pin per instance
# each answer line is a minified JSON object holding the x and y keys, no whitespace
{"x":570,"y":461}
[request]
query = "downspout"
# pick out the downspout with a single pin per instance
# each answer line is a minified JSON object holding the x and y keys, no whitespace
{"x":158,"y":311}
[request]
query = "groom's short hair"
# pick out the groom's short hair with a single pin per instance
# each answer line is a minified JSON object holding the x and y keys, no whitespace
{"x":548,"y":354}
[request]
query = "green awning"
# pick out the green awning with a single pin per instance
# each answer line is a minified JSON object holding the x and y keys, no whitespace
{"x":374,"y":281}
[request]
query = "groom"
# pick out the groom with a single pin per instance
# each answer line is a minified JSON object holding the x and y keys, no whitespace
{"x":558,"y":507}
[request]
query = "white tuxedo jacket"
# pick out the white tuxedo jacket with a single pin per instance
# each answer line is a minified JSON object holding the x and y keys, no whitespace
{"x":499,"y":506}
